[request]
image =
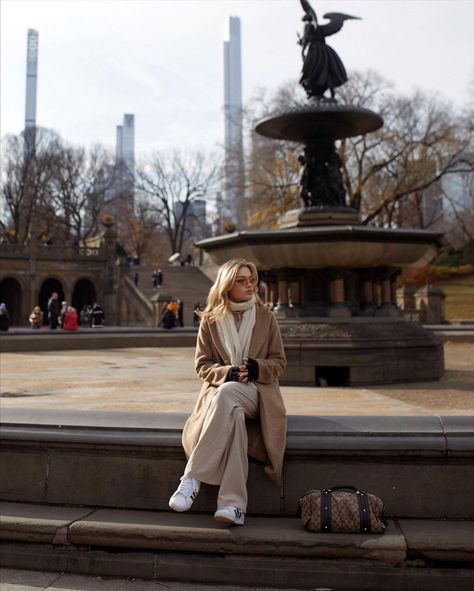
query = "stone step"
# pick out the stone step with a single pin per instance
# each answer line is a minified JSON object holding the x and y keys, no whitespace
{"x":266,"y":551}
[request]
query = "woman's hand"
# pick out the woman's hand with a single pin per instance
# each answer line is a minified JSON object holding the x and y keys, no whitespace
{"x":243,"y":373}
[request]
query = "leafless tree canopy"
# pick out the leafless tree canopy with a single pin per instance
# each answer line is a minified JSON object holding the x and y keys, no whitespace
{"x":168,"y":185}
{"x":53,"y":191}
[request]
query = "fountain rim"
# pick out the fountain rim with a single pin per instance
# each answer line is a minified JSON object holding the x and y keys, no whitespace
{"x":305,"y":122}
{"x":324,"y":233}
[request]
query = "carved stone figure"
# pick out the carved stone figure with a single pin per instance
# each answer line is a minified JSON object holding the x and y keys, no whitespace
{"x":321,"y":179}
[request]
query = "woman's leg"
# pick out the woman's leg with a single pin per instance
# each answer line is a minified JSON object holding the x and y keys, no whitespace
{"x":220,"y":456}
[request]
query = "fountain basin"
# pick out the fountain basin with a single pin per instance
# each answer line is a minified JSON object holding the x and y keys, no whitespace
{"x":315,"y":120}
{"x":333,"y":290}
{"x":326,"y":247}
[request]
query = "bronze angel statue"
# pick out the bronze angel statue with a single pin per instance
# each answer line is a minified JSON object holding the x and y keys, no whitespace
{"x":322,"y":67}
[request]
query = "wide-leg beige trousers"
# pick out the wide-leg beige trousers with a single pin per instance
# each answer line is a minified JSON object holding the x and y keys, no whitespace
{"x":220,"y":456}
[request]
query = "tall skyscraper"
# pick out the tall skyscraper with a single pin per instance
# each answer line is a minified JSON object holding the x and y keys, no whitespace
{"x":233,"y":201}
{"x":31,"y":81}
{"x":125,"y":159}
{"x":125,"y":148}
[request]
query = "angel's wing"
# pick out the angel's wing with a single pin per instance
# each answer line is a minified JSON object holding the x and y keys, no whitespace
{"x":309,"y":11}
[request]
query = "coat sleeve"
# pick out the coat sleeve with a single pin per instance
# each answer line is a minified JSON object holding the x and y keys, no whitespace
{"x":272,"y":366}
{"x":207,"y":367}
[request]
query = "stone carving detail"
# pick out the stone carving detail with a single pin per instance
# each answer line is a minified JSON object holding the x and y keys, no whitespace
{"x":314,"y":331}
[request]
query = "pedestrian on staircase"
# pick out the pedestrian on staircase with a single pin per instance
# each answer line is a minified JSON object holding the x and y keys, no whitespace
{"x":240,"y":410}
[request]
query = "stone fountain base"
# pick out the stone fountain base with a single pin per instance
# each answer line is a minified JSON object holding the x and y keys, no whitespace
{"x":359,"y":351}
{"x":333,"y":290}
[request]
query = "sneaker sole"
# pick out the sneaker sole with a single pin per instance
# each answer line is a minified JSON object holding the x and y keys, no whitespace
{"x":223,"y":519}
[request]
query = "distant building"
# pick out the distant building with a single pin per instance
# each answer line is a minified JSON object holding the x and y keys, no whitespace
{"x":31,"y":85}
{"x":458,"y":191}
{"x":120,"y":193}
{"x":125,"y":145}
{"x":233,"y":199}
{"x":197,"y":227}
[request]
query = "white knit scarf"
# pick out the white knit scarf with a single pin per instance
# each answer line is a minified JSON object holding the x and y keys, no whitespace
{"x":237,"y":343}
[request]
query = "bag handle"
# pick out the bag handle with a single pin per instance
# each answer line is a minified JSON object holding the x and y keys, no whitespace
{"x":352,"y":488}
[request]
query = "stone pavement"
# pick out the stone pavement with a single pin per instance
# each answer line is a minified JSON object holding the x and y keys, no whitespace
{"x":163,"y":380}
{"x":26,"y":580}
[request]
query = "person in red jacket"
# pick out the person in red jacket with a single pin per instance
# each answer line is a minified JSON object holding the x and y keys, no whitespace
{"x":70,"y":319}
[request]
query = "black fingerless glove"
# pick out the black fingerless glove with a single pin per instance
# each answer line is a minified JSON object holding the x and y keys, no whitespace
{"x":233,"y":375}
{"x":252,"y":368}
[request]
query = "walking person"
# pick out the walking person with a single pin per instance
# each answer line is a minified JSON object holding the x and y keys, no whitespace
{"x":240,"y":410}
{"x":54,"y":310}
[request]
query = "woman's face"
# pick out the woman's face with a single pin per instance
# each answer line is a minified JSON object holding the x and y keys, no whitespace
{"x":243,"y":287}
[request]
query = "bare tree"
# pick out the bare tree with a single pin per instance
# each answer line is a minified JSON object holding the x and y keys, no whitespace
{"x":171,"y":184}
{"x":272,"y":166}
{"x":388,"y":174}
{"x":26,"y":177}
{"x":79,"y":187}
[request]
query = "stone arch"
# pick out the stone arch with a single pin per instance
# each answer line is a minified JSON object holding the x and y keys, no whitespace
{"x":47,"y":287}
{"x":11,"y":294}
{"x":84,"y":293}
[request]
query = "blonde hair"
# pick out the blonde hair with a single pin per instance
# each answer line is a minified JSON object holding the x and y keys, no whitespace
{"x":218,"y":298}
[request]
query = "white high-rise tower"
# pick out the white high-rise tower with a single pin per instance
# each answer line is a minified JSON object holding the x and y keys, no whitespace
{"x":125,"y":158}
{"x":31,"y":81}
{"x":233,"y":202}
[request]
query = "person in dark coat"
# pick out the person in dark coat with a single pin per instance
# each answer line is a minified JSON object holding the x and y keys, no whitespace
{"x":54,"y":310}
{"x":168,"y":319}
{"x":180,"y":313}
{"x":97,"y":316}
{"x":4,"y":317}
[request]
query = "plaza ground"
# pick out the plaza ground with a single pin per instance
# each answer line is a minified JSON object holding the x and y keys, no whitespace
{"x":23,"y":580}
{"x":163,"y":380}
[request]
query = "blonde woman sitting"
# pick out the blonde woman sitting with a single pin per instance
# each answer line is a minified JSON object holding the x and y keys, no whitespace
{"x":239,"y":357}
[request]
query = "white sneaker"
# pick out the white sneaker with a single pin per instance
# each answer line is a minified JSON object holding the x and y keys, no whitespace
{"x":187,"y":491}
{"x":230,"y":515}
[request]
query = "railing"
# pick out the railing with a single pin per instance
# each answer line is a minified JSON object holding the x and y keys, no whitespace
{"x":140,"y":304}
{"x":51,"y":251}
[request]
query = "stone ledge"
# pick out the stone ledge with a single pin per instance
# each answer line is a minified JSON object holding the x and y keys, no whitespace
{"x":419,"y":466}
{"x":63,"y":341}
{"x":314,"y":435}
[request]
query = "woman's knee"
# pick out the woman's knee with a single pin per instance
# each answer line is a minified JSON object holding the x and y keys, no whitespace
{"x":226,"y":395}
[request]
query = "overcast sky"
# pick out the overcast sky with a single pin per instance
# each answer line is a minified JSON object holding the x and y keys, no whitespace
{"x":162,"y":60}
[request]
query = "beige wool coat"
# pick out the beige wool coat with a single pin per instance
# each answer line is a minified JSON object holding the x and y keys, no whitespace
{"x":267,"y":433}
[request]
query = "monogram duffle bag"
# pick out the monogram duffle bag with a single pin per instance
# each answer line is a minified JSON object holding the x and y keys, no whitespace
{"x":342,"y":509}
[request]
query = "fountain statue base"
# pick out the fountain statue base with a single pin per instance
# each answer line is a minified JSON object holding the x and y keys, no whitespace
{"x":319,"y":216}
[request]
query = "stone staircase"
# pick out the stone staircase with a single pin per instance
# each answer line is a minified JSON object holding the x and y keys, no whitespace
{"x":188,"y":283}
